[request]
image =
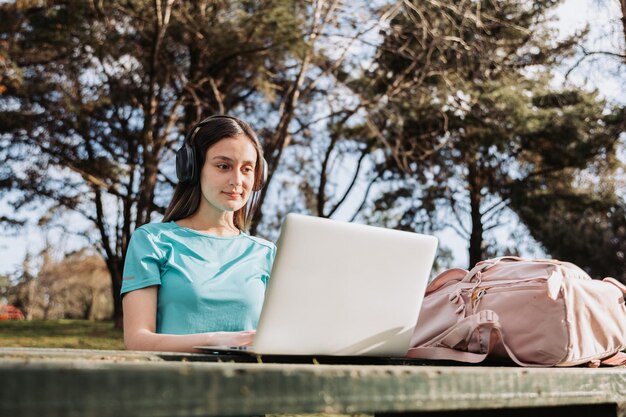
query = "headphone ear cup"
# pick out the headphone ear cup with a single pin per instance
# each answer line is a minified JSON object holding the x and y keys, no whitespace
{"x":264,"y":175}
{"x":186,"y":165}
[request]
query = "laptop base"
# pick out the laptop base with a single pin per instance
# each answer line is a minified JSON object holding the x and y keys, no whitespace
{"x":217,"y":354}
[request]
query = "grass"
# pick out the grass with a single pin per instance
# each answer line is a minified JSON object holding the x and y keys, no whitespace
{"x":73,"y":334}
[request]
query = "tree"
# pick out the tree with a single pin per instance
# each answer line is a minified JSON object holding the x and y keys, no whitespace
{"x":5,"y":284}
{"x":331,"y":151}
{"x":580,"y":214}
{"x":585,"y":225}
{"x":97,"y":94}
{"x":623,"y":19}
{"x":23,"y":295}
{"x":471,"y":114}
{"x":139,"y":74}
{"x":311,"y":108}
{"x":77,"y":286}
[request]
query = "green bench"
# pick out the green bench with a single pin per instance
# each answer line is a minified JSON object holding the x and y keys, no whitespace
{"x":57,"y":382}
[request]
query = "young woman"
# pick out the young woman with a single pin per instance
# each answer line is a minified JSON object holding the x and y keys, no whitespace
{"x":197,"y":278}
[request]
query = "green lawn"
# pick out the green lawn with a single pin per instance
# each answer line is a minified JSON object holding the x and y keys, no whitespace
{"x":77,"y":334}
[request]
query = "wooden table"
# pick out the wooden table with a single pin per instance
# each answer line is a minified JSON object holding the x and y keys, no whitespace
{"x":56,"y":382}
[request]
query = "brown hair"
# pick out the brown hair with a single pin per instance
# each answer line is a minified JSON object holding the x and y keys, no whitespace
{"x":186,"y":198}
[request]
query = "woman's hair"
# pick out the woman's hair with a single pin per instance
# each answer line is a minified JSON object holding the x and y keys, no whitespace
{"x":186,"y":198}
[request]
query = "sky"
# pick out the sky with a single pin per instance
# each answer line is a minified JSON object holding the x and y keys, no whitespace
{"x":571,"y":16}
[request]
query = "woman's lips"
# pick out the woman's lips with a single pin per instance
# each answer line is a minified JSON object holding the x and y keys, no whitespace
{"x":233,"y":196}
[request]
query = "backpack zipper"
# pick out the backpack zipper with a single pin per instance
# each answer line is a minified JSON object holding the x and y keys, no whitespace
{"x":479,"y":293}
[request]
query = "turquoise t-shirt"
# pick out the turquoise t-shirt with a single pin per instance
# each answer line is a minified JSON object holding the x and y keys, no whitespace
{"x":206,"y":283}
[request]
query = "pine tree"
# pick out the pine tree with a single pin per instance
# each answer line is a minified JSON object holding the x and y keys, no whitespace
{"x":469,"y":114}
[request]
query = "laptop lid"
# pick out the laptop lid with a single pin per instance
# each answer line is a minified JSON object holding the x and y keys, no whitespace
{"x":340,"y":288}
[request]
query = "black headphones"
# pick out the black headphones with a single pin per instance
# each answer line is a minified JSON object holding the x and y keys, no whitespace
{"x":187,"y":169}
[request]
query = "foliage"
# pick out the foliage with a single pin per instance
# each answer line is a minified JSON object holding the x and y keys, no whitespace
{"x":452,"y":124}
{"x":584,"y":224}
{"x":5,"y":284}
{"x":94,"y":110}
{"x":471,"y":114}
{"x":76,"y":287}
{"x":97,"y":94}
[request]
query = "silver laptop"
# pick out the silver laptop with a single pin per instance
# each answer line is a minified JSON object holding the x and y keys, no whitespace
{"x":344,"y":289}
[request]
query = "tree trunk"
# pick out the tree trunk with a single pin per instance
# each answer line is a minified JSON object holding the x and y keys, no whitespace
{"x":280,"y":139}
{"x":623,"y":4}
{"x":476,"y":237}
{"x":146,"y":193}
{"x":31,"y":298}
{"x":88,"y":306}
{"x":116,"y":271}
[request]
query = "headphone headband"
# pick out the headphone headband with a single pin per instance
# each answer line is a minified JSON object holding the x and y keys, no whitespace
{"x":192,"y":132}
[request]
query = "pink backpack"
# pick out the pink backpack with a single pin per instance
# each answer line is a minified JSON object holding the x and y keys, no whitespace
{"x":537,"y":313}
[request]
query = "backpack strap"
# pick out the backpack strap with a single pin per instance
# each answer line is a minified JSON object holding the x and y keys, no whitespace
{"x":615,"y":282}
{"x":443,"y":346}
{"x":485,"y":322}
{"x":476,"y":270}
{"x":488,"y":263}
{"x":484,"y":265}
{"x":619,"y":359}
{"x":455,"y":274}
{"x":462,"y":331}
{"x":441,"y":353}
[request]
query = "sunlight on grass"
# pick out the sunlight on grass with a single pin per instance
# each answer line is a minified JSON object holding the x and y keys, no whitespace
{"x":72,"y":334}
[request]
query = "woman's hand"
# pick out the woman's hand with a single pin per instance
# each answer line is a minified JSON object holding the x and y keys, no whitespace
{"x":245,"y":338}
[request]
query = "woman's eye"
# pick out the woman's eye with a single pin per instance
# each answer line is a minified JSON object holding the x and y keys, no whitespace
{"x":222,"y":166}
{"x":248,"y":170}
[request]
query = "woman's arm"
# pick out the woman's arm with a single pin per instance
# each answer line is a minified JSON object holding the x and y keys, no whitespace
{"x":140,"y":328}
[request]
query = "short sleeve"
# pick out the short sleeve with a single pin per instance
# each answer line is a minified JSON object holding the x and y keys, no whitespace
{"x":270,"y":263}
{"x":272,"y":257}
{"x":142,"y":267}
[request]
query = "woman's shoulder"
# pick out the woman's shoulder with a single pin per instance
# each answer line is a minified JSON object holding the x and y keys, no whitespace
{"x":153,"y":231}
{"x":255,"y":240}
{"x":148,"y":240}
{"x":154,"y":228}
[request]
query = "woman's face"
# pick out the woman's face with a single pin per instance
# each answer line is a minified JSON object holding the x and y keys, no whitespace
{"x":227,"y":177}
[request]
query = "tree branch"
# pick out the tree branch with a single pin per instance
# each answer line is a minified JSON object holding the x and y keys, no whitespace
{"x":364,"y":153}
{"x":365,"y":197}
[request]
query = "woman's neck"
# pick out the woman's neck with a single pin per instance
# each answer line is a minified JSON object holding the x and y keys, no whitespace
{"x":222,"y":225}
